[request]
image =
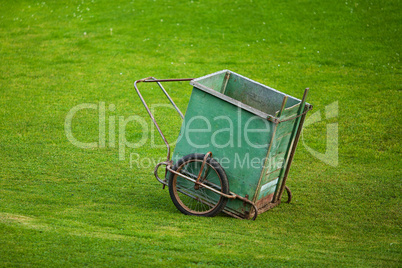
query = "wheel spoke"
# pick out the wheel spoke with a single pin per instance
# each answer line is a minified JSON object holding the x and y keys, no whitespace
{"x":204,"y":198}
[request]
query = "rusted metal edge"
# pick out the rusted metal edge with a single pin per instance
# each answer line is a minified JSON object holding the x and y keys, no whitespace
{"x":166,"y":163}
{"x":153,"y":79}
{"x":289,"y":195}
{"x":292,"y":153}
{"x":233,"y":101}
{"x":230,"y":196}
{"x":225,"y":82}
{"x":309,"y":108}
{"x":194,"y":82}
{"x":234,"y":215}
{"x":251,"y":203}
{"x":284,"y":101}
{"x":207,"y":155}
{"x":273,"y":171}
{"x":241,"y":105}
{"x":263,"y":173}
{"x":238,"y":215}
{"x":268,"y":206}
{"x":242,"y":77}
{"x":291,"y":149}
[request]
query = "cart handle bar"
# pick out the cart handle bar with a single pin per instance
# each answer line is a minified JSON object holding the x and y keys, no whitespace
{"x":153,"y":79}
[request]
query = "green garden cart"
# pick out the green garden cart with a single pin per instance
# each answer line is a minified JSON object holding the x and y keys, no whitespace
{"x":235,"y":147}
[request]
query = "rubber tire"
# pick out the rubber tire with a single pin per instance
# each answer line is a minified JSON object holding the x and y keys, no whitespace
{"x":212,"y":163}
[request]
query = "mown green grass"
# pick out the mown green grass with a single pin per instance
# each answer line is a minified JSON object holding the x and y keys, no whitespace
{"x":61,"y":205}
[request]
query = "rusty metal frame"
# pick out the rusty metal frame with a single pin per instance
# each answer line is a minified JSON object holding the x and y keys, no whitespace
{"x":153,"y":79}
{"x":303,"y":109}
{"x":231,"y":195}
{"x":207,"y":155}
{"x":169,"y":163}
{"x":292,"y":153}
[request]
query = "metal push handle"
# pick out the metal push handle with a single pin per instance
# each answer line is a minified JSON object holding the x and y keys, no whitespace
{"x":158,"y":81}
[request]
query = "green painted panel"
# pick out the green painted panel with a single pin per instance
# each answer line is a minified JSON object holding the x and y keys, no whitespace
{"x":290,"y":111}
{"x":237,"y":135}
{"x":271,"y":176}
{"x":295,"y":124}
{"x":214,"y":82}
{"x":238,"y":140}
{"x":283,"y":129}
{"x":256,"y":95}
{"x":276,"y":162}
{"x":276,"y":159}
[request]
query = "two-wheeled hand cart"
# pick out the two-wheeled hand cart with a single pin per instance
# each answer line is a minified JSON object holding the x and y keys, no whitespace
{"x":235,"y":146}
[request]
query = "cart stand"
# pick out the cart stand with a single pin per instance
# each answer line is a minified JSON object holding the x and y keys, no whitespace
{"x":252,"y":131}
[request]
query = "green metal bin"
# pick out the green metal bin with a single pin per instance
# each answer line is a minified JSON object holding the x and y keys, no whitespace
{"x":235,"y":146}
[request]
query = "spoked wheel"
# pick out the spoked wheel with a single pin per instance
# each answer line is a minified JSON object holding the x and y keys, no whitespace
{"x":193,"y":199}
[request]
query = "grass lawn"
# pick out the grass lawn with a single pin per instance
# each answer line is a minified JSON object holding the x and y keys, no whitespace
{"x":62,"y":205}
